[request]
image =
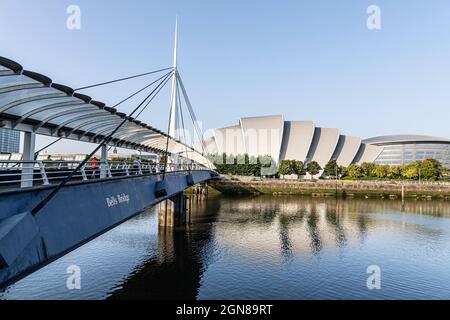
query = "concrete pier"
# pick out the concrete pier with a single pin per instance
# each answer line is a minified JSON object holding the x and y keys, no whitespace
{"x":201,"y":189}
{"x":172,"y":212}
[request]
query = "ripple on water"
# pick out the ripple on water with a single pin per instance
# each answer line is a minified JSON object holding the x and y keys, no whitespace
{"x":263,"y":248}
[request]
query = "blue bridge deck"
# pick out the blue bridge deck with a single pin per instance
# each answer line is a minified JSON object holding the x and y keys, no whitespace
{"x":81,"y":211}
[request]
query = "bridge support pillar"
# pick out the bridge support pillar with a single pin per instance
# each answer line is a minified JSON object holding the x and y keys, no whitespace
{"x":172,"y":212}
{"x":201,"y":189}
{"x":104,"y":162}
{"x":29,"y":143}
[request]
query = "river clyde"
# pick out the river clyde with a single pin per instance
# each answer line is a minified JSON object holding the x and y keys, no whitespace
{"x":263,"y":247}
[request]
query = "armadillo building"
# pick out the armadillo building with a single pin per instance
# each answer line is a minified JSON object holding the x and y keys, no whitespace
{"x":304,"y":141}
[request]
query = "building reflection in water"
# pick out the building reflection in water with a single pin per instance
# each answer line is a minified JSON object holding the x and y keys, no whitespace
{"x":265,"y":228}
{"x":315,"y":222}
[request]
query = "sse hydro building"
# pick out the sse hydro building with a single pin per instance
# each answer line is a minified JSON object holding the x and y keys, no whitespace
{"x":304,"y":141}
{"x":404,"y":149}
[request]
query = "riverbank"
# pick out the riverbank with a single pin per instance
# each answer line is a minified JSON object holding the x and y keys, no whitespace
{"x":331,"y":188}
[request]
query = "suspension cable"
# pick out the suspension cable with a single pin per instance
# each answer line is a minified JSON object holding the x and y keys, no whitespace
{"x":164,"y":81}
{"x":167,"y":146}
{"x":47,"y":146}
{"x":193,"y":117}
{"x":139,"y":91}
{"x":36,"y":154}
{"x":184,"y":129}
{"x":192,"y":114}
{"x":105,"y":140}
{"x":131,"y":96}
{"x":122,"y":79}
{"x":160,"y":88}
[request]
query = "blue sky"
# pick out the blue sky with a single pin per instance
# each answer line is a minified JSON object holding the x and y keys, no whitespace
{"x":308,"y":60}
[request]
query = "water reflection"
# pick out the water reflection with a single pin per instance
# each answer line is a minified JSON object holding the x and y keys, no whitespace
{"x":336,"y":220}
{"x":263,"y":248}
{"x":175,"y":272}
{"x":322,"y":218}
{"x":286,"y":246}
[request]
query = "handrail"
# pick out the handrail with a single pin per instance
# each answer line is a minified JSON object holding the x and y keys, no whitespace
{"x":28,"y":173}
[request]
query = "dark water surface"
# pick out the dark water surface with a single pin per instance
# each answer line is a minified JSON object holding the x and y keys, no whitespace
{"x":263,"y":248}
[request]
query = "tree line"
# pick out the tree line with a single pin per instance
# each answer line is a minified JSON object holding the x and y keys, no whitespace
{"x":241,"y":165}
{"x":427,"y":170}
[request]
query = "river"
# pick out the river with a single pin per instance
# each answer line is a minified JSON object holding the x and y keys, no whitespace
{"x":262,"y":247}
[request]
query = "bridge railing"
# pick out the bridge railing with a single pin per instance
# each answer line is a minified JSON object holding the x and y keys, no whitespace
{"x":21,"y":174}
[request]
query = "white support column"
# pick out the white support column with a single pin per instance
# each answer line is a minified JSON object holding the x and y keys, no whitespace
{"x":173,"y":132}
{"x":28,"y":155}
{"x":104,"y":162}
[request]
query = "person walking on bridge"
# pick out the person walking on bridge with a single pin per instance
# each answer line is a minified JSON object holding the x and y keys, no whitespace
{"x":94,"y":166}
{"x":137,"y":165}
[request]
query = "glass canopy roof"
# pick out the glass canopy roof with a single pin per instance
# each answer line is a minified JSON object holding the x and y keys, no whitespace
{"x":32,"y":102}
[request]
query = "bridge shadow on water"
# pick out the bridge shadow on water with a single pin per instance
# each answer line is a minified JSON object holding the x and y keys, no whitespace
{"x":175,"y":272}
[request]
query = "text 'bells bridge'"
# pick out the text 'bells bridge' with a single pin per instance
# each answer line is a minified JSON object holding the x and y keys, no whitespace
{"x":38,"y":219}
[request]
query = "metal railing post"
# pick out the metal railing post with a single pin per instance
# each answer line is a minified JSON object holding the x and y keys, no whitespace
{"x":43,"y":173}
{"x":83,"y":173}
{"x":109,"y":172}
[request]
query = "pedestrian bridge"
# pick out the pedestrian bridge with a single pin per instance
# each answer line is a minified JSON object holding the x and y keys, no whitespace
{"x":48,"y":208}
{"x":81,"y":211}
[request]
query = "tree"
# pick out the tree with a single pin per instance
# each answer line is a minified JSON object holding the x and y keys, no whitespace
{"x":381,"y":171}
{"x":288,"y":167}
{"x":411,"y":171}
{"x":343,"y":171}
{"x":331,"y":169}
{"x":313,"y":168}
{"x":368,"y":169}
{"x":431,"y":169}
{"x":355,"y":171}
{"x":285,"y":167}
{"x":299,"y":168}
{"x":395,"y":172}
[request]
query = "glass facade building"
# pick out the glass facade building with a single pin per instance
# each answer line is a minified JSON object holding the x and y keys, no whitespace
{"x":9,"y":141}
{"x":399,"y":150}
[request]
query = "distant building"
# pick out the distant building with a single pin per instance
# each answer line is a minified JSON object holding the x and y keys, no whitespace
{"x":62,"y":156}
{"x":304,"y":141}
{"x":404,"y":149}
{"x":9,"y":141}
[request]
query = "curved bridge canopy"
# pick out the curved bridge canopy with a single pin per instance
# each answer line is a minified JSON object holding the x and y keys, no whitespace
{"x":32,"y":102}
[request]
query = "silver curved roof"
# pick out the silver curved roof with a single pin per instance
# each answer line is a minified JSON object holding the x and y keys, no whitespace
{"x":405,"y":138}
{"x":346,"y":150}
{"x":300,"y":140}
{"x":254,"y":128}
{"x":33,"y":102}
{"x":297,"y":139}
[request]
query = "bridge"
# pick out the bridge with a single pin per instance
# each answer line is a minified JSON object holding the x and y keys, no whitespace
{"x":50,"y":207}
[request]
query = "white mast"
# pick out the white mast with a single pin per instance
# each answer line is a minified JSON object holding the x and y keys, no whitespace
{"x":174,"y":98}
